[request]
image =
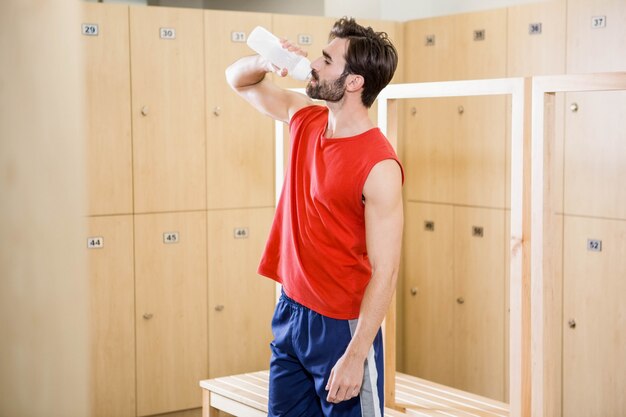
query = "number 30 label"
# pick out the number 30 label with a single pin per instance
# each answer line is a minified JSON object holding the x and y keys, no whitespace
{"x":167,"y":33}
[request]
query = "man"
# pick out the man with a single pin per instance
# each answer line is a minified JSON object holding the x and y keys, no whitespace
{"x":336,"y":237}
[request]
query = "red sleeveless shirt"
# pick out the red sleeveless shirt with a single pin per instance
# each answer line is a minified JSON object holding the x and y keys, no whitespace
{"x":316,"y":247}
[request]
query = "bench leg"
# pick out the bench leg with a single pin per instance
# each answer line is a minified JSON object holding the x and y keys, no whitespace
{"x":207,"y":410}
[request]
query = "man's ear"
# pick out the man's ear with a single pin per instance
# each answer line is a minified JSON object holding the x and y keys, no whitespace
{"x":355,"y":82}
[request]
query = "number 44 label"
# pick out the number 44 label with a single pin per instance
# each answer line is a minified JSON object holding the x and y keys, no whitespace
{"x":95,"y":242}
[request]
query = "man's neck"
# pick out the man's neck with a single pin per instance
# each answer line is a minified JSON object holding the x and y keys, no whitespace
{"x":347,"y":119}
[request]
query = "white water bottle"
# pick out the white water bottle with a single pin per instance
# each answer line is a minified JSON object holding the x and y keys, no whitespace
{"x":269,"y":47}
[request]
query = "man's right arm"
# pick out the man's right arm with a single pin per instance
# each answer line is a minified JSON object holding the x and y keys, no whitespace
{"x":247,"y":77}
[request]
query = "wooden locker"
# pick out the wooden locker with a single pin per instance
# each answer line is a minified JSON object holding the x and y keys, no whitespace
{"x":507,"y":303}
{"x":428,"y":149}
{"x":594,"y":318}
{"x":428,"y":292}
{"x":536,"y":39}
{"x":479,"y":151}
{"x":595,"y":151}
{"x":429,"y":50}
{"x":109,"y":247}
{"x":596,"y":35}
{"x":167,"y":74}
{"x":309,"y":32}
{"x":241,"y":302}
{"x":105,"y":46}
{"x":479,"y":45}
{"x":171,"y":297}
{"x":479,"y":301}
{"x":240,"y":140}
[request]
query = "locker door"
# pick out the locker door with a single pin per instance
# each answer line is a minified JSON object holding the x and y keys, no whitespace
{"x":536,"y":39}
{"x":595,"y":151}
{"x":309,"y":32}
{"x":109,"y":246}
{"x":594,"y":319}
{"x":167,"y":73}
{"x":240,"y":140}
{"x":479,"y":301}
{"x":105,"y":44}
{"x":428,"y":149}
{"x":171,"y":287}
{"x":241,"y":302}
{"x":480,"y":45}
{"x":479,"y":151}
{"x":428,"y":292}
{"x":430,"y":50}
{"x":596,"y":35}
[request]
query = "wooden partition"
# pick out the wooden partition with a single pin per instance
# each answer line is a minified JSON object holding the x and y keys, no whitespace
{"x":388,"y":101}
{"x":547,"y":233}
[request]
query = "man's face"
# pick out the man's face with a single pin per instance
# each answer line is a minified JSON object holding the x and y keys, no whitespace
{"x":328,"y":76}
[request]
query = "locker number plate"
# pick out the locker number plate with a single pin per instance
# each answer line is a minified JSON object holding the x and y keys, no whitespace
{"x":430,"y":40}
{"x":429,"y":226}
{"x":534,"y":29}
{"x":598,"y":22}
{"x":305,"y":40}
{"x":479,"y":35}
{"x":594,"y":245}
{"x":238,"y":37}
{"x":95,"y":242}
{"x":477,"y":231}
{"x":167,"y":33}
{"x":241,"y":233}
{"x":90,"y":29}
{"x":171,"y":237}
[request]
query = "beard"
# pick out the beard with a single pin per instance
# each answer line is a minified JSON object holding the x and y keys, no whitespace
{"x":332,"y":91}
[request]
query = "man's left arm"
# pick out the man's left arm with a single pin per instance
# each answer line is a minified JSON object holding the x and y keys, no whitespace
{"x":383,"y":227}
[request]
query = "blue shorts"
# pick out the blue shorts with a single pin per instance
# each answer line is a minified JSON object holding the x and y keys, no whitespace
{"x":306,"y":346}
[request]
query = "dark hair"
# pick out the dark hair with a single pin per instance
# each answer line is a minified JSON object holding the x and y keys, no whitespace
{"x":370,"y":54}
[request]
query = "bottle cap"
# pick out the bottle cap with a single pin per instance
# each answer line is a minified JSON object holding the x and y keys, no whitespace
{"x":302,"y":70}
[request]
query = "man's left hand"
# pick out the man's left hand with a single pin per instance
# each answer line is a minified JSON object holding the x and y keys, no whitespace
{"x":345,"y":379}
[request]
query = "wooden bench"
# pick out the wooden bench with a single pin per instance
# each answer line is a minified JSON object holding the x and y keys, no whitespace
{"x":245,"y":395}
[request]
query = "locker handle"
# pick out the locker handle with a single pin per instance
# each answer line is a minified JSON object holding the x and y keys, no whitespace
{"x":144,"y":111}
{"x":461,"y":109}
{"x":572,"y":323}
{"x":217,"y":111}
{"x":414,"y":291}
{"x":460,"y":300}
{"x":573,"y":107}
{"x":147,"y":316}
{"x":219,"y":307}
